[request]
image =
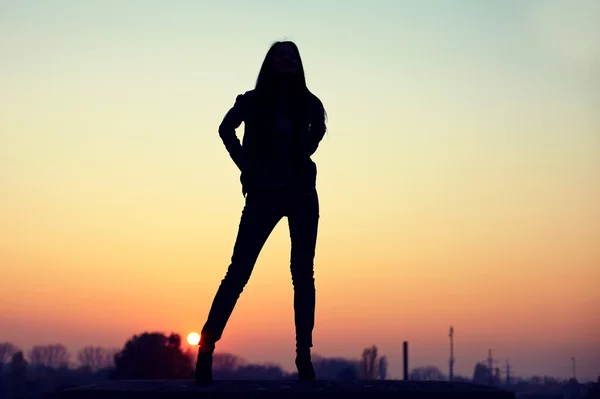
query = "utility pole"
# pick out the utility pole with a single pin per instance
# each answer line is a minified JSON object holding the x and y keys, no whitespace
{"x":451,"y":361}
{"x":405,"y":359}
{"x":507,"y":372}
{"x":574,"y":368}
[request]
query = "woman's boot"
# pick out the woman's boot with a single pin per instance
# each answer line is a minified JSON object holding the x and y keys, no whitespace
{"x":204,"y":365}
{"x":306,"y":372}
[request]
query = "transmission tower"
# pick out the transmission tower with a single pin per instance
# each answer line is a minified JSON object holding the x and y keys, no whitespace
{"x":508,"y":369}
{"x":493,"y":368}
{"x":490,"y":362}
{"x":451,"y":361}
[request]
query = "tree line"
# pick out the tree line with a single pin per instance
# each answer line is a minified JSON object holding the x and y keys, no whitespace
{"x":152,"y":355}
{"x":57,"y":356}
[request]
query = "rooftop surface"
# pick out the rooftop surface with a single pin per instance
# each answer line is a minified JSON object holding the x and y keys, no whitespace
{"x":187,"y":389}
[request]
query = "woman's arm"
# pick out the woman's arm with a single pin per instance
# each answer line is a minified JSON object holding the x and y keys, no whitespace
{"x":317,"y":127}
{"x":232,"y":120}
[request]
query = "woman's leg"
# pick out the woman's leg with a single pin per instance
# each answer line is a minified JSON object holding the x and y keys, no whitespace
{"x":303,"y":219}
{"x":261,"y":214}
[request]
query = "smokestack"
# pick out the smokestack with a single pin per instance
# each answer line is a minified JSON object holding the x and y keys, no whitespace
{"x":405,"y":358}
{"x":451,"y":361}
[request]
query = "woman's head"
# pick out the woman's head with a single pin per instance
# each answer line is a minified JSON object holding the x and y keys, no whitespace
{"x":282,"y":62}
{"x":286,"y":58}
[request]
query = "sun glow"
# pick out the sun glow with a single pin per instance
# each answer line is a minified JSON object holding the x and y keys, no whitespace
{"x":193,"y":338}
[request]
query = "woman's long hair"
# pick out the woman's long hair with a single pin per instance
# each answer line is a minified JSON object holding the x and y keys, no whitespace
{"x":265,"y":83}
{"x":301,"y":96}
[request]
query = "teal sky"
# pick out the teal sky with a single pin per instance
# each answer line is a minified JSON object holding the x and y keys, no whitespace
{"x":460,"y":132}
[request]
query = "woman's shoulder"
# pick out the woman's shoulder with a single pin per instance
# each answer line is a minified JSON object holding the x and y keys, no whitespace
{"x":242,"y":101}
{"x":247,"y":96}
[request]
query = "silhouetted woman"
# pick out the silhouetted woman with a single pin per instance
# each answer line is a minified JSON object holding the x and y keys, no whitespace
{"x":283,"y":125}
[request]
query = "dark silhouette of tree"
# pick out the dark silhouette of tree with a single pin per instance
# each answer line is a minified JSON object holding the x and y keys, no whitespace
{"x":367,"y":363}
{"x":383,"y":366}
{"x":7,"y":350}
{"x":534,"y":379}
{"x":95,"y":358}
{"x":255,"y":372}
{"x":227,"y":362}
{"x":152,"y":356}
{"x":348,"y":374}
{"x":335,"y":368}
{"x":481,"y":374}
{"x":426,"y":373}
{"x":52,"y":356}
{"x":593,"y":390}
{"x":460,"y":378}
{"x":370,"y":364}
{"x":18,"y":366}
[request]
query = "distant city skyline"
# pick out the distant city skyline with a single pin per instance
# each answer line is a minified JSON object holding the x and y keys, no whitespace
{"x":459,"y":180}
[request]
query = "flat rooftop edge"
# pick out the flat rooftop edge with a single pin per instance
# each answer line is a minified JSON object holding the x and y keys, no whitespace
{"x":180,"y":389}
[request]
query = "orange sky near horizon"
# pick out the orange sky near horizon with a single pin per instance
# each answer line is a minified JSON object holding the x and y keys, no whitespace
{"x":459,"y":184}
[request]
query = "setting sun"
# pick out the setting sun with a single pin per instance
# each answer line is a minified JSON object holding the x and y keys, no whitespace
{"x":193,"y":338}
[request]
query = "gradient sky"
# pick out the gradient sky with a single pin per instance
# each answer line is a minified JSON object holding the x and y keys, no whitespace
{"x":459,"y":180}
